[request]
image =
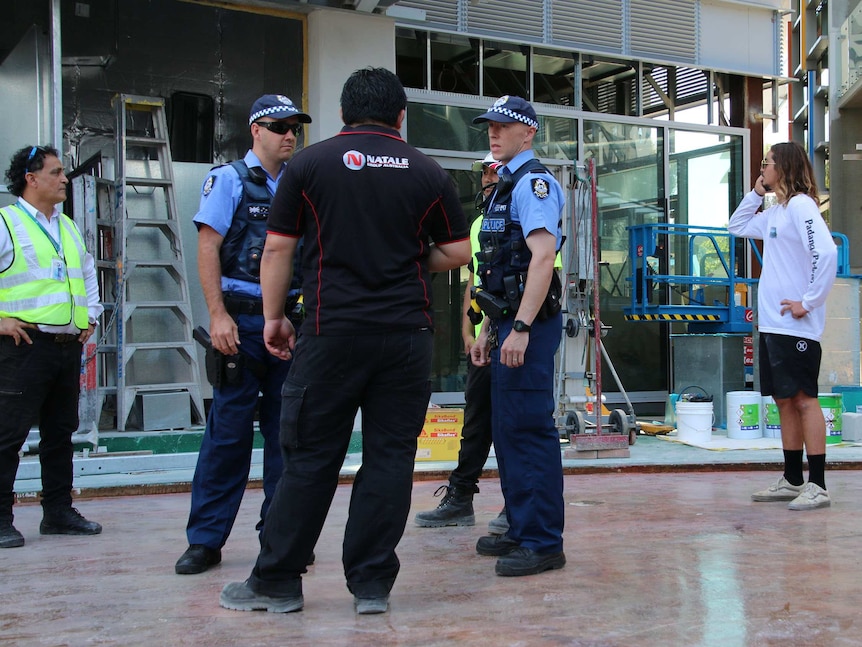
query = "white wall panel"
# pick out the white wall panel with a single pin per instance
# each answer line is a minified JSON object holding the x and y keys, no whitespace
{"x":738,"y":38}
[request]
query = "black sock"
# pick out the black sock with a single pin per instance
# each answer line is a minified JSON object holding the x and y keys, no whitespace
{"x":793,"y":466}
{"x":817,"y":469}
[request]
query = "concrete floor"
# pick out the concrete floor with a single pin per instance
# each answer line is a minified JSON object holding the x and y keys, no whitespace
{"x":654,"y":559}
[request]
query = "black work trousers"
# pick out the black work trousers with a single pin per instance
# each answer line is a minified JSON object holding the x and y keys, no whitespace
{"x":476,"y":434}
{"x":386,"y":377}
{"x":39,"y":381}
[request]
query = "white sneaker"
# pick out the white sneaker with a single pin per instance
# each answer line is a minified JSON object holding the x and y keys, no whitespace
{"x":813,"y":496}
{"x":781,"y":490}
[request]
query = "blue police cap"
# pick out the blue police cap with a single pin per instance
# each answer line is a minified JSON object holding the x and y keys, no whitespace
{"x":276,"y":106}
{"x":508,"y":109}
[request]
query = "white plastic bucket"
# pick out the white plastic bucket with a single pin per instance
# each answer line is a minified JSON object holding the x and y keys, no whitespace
{"x":694,"y":421}
{"x":771,"y":420}
{"x":743,"y":415}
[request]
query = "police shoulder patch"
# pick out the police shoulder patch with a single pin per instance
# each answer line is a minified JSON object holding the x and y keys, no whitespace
{"x":208,"y":185}
{"x":540,"y":188}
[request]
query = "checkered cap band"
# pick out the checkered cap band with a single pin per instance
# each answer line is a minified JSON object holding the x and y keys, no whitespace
{"x":515,"y":115}
{"x":268,"y":111}
{"x":276,"y":106}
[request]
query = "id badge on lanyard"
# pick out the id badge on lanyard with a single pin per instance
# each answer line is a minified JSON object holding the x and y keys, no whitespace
{"x":58,"y":270}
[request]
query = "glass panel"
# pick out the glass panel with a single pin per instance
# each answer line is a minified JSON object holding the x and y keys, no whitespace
{"x":609,"y":85}
{"x":705,"y":187}
{"x":505,"y":69}
{"x":411,"y":47}
{"x":449,"y":369}
{"x":454,"y":64}
{"x":451,"y":128}
{"x":557,"y":138}
{"x":445,"y":127}
{"x":630,"y":183}
{"x":704,"y":177}
{"x":850,"y":51}
{"x":553,"y":77}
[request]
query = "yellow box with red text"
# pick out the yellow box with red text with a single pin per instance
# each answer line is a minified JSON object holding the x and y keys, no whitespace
{"x":440,"y":439}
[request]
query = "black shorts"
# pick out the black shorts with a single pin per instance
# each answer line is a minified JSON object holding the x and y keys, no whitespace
{"x":788,"y":365}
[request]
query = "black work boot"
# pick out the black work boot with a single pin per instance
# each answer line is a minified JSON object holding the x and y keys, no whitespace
{"x":66,"y":521}
{"x":9,"y":536}
{"x":456,"y":508}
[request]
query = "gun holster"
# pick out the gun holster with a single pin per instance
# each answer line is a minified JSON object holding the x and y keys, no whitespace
{"x":223,"y":370}
{"x":213,"y":367}
{"x":495,"y":307}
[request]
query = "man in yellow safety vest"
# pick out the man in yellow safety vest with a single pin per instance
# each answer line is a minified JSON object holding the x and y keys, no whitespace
{"x":49,"y":302}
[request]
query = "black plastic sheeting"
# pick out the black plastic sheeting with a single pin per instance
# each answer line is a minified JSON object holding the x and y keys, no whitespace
{"x":209,"y":64}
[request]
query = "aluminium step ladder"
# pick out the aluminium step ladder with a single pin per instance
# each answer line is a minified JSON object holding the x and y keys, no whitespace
{"x":153,"y":349}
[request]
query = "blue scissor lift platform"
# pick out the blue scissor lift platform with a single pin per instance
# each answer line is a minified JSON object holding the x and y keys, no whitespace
{"x":688,"y":274}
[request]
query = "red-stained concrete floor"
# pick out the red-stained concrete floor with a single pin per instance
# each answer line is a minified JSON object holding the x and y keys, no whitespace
{"x":669,"y":559}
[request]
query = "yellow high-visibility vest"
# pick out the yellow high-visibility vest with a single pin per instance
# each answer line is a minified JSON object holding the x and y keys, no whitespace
{"x":30,"y":288}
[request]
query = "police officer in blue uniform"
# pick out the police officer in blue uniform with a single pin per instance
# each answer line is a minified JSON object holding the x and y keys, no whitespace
{"x":231,"y":223}
{"x":520,"y":237}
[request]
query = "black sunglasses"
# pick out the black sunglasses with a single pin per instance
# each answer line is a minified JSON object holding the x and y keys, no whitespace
{"x":280,"y":127}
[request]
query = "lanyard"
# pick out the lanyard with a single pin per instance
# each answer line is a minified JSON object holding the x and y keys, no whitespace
{"x":44,"y":231}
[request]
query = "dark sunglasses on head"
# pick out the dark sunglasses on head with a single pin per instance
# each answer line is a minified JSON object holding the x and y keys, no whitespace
{"x":280,"y":127}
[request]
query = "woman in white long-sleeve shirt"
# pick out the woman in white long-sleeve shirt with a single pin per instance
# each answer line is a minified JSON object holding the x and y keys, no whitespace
{"x":799,"y":261}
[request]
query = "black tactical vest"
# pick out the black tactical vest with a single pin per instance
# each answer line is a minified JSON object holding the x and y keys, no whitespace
{"x":242,"y":247}
{"x":503,"y":252}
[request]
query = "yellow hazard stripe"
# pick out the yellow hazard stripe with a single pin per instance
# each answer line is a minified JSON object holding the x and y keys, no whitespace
{"x":668,"y":317}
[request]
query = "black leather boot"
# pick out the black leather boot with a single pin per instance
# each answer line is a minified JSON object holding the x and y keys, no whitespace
{"x":9,"y":536}
{"x":456,"y":508}
{"x":66,"y":521}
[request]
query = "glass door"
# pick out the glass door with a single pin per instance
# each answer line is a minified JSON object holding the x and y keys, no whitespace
{"x":629,"y":160}
{"x":449,"y":368}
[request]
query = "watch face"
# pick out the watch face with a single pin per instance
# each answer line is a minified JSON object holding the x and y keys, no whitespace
{"x":520,"y":326}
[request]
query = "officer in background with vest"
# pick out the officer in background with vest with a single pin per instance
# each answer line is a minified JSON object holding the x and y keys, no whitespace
{"x":231,"y":223}
{"x":520,"y":237}
{"x":49,"y":303}
{"x":456,"y":507}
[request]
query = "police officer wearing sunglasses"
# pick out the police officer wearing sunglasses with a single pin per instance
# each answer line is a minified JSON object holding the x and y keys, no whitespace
{"x":231,"y":223}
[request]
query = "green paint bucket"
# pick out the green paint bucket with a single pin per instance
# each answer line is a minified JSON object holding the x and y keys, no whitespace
{"x":743,"y":415}
{"x":771,"y":419}
{"x":833,"y":407}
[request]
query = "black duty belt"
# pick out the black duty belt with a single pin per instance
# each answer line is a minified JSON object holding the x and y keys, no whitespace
{"x":251,"y":306}
{"x":243,"y":306}
{"x":57,"y":338}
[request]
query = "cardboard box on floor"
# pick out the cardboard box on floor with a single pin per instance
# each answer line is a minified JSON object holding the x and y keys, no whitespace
{"x":440,"y":439}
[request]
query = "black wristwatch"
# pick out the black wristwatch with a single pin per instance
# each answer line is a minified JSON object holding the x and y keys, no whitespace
{"x":520,"y":326}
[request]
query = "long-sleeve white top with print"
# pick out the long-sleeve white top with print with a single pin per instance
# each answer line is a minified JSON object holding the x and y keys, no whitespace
{"x":799,"y":262}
